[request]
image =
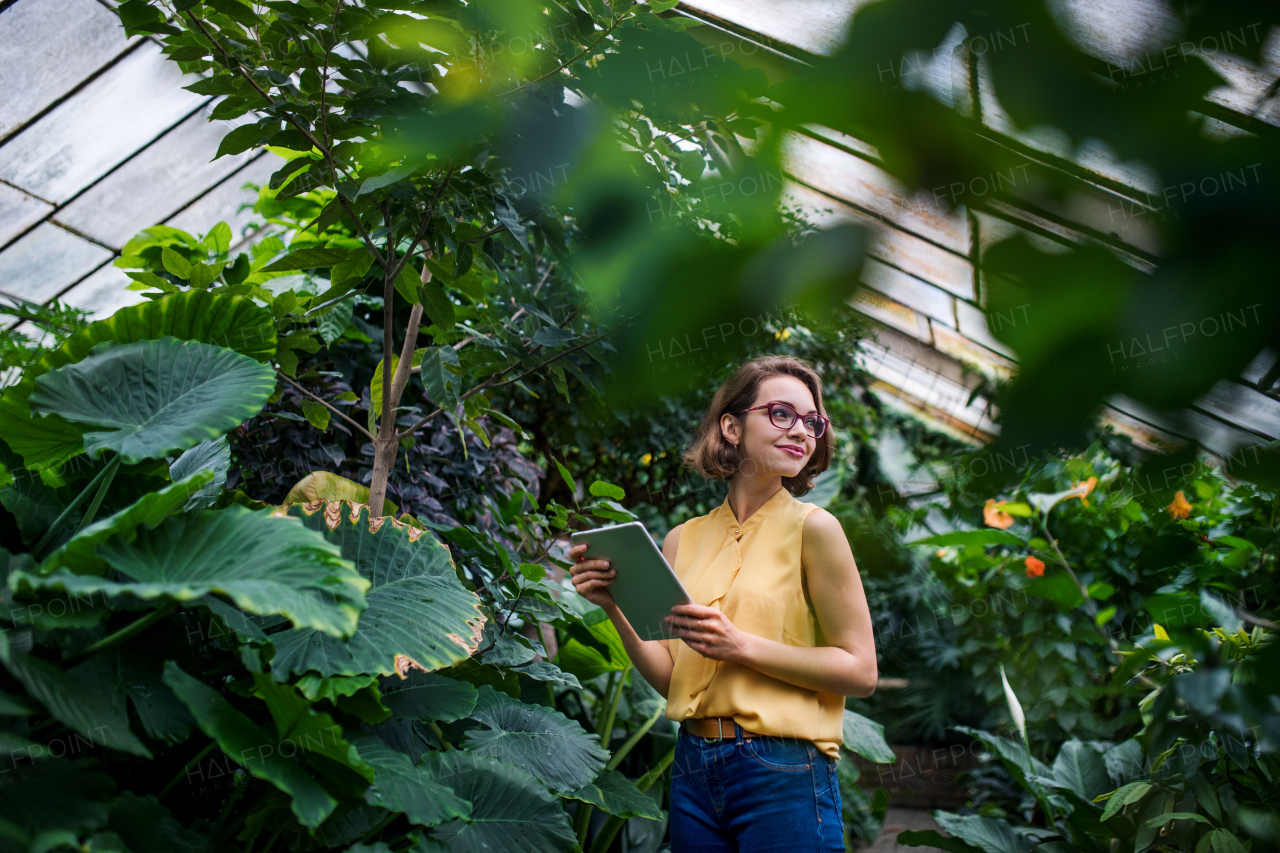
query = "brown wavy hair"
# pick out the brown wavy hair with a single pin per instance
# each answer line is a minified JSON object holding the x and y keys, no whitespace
{"x":715,"y":458}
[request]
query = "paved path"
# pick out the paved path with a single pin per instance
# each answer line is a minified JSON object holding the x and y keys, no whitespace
{"x":897,"y":820}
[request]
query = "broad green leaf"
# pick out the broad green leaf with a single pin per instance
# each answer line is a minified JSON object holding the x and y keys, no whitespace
{"x":587,"y":662}
{"x":972,"y":537}
{"x":153,"y":398}
{"x":334,"y":322}
{"x":175,"y":263}
{"x":866,"y":738}
{"x":428,"y":696}
{"x":148,"y":827}
{"x":443,"y":385}
{"x":602,"y":489}
{"x":324,"y":486}
{"x":1130,"y":793}
{"x":163,"y":716}
{"x":56,"y":795}
{"x":265,"y":563}
{"x":313,"y":732}
{"x":242,"y":138}
{"x":402,"y":787}
{"x":538,"y":739}
{"x":219,"y":238}
{"x":418,"y":612}
{"x":213,"y":455}
{"x":34,"y":505}
{"x":248,"y":744}
{"x":1080,"y":768}
{"x":1011,"y":753}
{"x":79,"y":553}
{"x":564,"y":472}
{"x":935,"y":839}
{"x":437,"y":304}
{"x":986,"y":833}
{"x":616,"y":794}
{"x":541,"y":670}
{"x":375,"y":385}
{"x":221,"y":319}
{"x":306,"y":259}
{"x":510,"y":810}
{"x":1159,"y":820}
{"x":407,"y":284}
{"x":84,"y":698}
{"x":316,"y":414}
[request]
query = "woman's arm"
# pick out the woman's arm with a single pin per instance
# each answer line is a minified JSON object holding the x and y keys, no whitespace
{"x":652,"y":658}
{"x":846,"y":666}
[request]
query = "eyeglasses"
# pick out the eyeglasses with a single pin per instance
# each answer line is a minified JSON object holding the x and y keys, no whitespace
{"x":783,"y":416}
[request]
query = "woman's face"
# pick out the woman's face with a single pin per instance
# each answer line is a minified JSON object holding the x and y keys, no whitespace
{"x":767,"y":450}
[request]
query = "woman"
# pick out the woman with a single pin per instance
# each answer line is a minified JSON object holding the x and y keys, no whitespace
{"x":778,"y":635}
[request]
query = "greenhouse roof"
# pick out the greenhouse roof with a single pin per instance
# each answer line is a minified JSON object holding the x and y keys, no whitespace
{"x":99,"y":141}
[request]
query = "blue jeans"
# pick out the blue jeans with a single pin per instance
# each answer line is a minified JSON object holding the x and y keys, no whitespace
{"x":754,"y":796}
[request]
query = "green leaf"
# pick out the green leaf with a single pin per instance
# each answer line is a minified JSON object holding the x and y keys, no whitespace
{"x":55,"y":795}
{"x":152,"y":508}
{"x":215,"y":456}
{"x":324,"y":486}
{"x":375,"y":385}
{"x":148,"y":827}
{"x":266,"y":563}
{"x":317,"y":415}
{"x":175,"y":263}
{"x":153,"y":398}
{"x":437,"y":304}
{"x":1080,"y":768}
{"x":402,"y":787}
{"x":417,"y":606}
{"x":230,"y":321}
{"x":541,"y":740}
{"x":202,"y":275}
{"x":251,"y":746}
{"x":866,"y":738}
{"x":933,"y":838}
{"x":241,"y":139}
{"x":986,"y":833}
{"x":313,"y":732}
{"x":510,"y":810}
{"x":306,"y":259}
{"x":439,"y":376}
{"x":564,"y":472}
{"x":334,"y":322}
{"x":587,"y":662}
{"x":1160,"y":820}
{"x":85,"y":698}
{"x":219,"y":238}
{"x":1130,"y":793}
{"x":533,"y":571}
{"x":616,"y":794}
{"x":602,"y":489}
{"x":427,"y":696}
{"x":972,"y":537}
{"x":407,"y":284}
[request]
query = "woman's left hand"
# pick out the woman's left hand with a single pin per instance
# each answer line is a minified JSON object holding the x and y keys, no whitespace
{"x":709,"y":632}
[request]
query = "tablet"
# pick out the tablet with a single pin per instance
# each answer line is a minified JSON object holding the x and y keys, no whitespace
{"x":644,"y":587}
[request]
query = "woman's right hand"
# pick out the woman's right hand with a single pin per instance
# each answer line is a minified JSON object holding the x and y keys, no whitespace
{"x":591,"y":578}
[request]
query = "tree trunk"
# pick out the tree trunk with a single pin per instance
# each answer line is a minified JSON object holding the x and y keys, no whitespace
{"x":387,"y":442}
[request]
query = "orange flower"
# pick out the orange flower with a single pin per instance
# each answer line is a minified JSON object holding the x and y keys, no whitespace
{"x":994,"y":516}
{"x":1179,"y":508}
{"x":1035,"y":568}
{"x":1085,"y":488}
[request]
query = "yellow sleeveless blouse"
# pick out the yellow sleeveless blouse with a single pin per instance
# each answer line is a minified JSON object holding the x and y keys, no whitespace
{"x":751,"y":572}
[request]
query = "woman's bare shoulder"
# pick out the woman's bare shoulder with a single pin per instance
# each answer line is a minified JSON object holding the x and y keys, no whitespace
{"x":671,"y":542}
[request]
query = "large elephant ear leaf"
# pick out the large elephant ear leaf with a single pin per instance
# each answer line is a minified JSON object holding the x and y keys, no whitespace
{"x":866,"y":737}
{"x":419,"y":612}
{"x":245,"y":742}
{"x":265,"y":563}
{"x":510,"y":810}
{"x":80,"y":551}
{"x":196,"y":315}
{"x":616,"y":794}
{"x":554,"y":748}
{"x":148,"y":827}
{"x":427,"y":696}
{"x":55,"y":796}
{"x":402,"y":787}
{"x":85,"y":699}
{"x":153,"y":398}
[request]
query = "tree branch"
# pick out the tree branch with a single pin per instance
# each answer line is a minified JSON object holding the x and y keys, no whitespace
{"x":325,"y":404}
{"x":569,"y":62}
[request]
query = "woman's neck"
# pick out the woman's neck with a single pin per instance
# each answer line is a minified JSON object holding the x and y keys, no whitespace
{"x":748,"y":494}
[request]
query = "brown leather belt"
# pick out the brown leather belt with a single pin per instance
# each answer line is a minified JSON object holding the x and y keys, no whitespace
{"x":715,"y":727}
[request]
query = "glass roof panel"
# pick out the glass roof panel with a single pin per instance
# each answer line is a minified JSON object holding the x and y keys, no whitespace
{"x":47,"y":47}
{"x":223,"y":202}
{"x":83,"y":137}
{"x":18,"y":211}
{"x":46,"y":261}
{"x":155,"y":183}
